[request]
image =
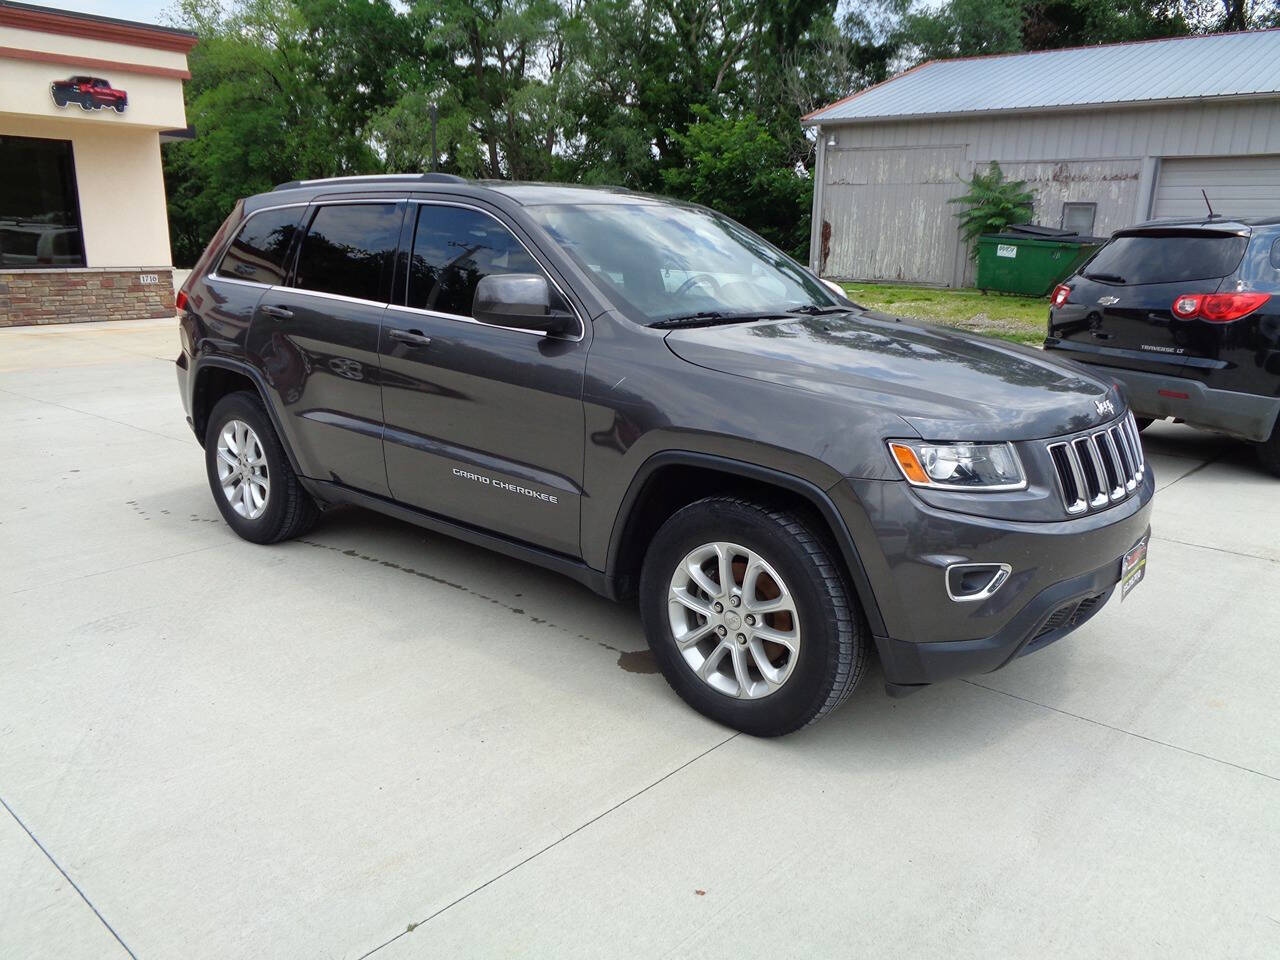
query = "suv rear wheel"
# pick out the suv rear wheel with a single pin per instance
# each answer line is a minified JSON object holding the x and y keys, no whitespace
{"x":749,"y":616}
{"x":255,"y":488}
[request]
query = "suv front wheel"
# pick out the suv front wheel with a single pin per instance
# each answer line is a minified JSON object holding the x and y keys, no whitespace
{"x":749,"y":616}
{"x":253,"y":484}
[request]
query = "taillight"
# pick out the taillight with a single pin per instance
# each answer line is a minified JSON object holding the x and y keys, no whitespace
{"x":181,"y":302}
{"x":1218,"y":307}
{"x":1060,"y":294}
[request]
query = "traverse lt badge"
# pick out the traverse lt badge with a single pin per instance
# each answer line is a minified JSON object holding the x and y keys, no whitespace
{"x":1108,"y":301}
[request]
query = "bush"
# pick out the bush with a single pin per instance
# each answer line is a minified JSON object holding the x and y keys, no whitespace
{"x":993,"y":203}
{"x":736,"y":166}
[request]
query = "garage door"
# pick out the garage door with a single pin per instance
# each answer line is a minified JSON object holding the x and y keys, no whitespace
{"x":1237,"y":186}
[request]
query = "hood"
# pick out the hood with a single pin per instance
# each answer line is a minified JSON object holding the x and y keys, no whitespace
{"x":946,"y":385}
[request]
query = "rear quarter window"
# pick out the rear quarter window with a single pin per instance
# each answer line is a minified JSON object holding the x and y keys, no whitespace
{"x":1167,"y":258}
{"x":257,"y":253}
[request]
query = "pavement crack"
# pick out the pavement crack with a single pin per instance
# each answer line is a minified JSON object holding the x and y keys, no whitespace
{"x":1205,"y":546}
{"x":1129,"y":733}
{"x":555,"y":843}
{"x":74,"y":885}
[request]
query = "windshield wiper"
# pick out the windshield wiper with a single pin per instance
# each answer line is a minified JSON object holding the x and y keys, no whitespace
{"x":813,"y":310}
{"x":1107,"y":277}
{"x":706,"y":318}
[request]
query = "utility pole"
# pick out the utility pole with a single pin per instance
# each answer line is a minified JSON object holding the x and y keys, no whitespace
{"x":435,"y":113}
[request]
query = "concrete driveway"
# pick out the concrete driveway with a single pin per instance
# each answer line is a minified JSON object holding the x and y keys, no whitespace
{"x":380,"y":741}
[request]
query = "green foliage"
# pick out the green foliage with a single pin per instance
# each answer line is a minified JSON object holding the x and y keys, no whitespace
{"x":736,"y":166}
{"x":699,"y":98}
{"x":992,"y":204}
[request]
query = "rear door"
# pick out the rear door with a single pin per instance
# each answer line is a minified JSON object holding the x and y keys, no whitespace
{"x":484,"y":424}
{"x":318,"y":339}
{"x":1120,"y":310}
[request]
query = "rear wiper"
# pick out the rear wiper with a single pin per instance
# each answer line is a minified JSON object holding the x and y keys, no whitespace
{"x":1108,"y":277}
{"x":707,"y":318}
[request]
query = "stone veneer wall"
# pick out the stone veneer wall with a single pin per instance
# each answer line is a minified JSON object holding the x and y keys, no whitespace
{"x":78,"y":295}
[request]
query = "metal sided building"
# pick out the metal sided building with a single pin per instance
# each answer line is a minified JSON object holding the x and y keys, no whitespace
{"x":1107,"y":136}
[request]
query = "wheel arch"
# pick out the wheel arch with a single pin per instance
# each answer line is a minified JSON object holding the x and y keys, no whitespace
{"x":214,"y":378}
{"x":670,"y":480}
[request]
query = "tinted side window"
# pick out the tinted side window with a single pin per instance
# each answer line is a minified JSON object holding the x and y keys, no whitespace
{"x":452,"y":249}
{"x":1168,"y":257}
{"x":348,"y":250}
{"x":258,"y":251}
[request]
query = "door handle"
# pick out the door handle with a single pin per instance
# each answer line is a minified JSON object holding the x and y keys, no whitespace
{"x":409,"y":336}
{"x":280,"y":313}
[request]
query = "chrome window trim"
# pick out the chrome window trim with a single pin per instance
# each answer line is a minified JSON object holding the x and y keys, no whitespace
{"x":442,"y":315}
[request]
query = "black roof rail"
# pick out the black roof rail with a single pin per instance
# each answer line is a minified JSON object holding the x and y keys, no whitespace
{"x":375,"y":178}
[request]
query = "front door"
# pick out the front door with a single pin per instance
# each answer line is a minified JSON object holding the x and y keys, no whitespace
{"x":483,"y":424}
{"x":318,"y":338}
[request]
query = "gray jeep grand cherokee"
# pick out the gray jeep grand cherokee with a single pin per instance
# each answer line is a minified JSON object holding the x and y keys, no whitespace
{"x":647,"y":397}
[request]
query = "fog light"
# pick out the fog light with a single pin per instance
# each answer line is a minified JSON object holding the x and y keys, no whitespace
{"x":975,"y":581}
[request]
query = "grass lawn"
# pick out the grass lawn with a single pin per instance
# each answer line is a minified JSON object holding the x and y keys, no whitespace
{"x":1020,"y":319}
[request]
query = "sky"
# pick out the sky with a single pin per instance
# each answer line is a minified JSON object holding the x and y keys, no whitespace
{"x":144,"y":11}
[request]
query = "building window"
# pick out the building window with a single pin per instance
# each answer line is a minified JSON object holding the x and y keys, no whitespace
{"x":39,"y":210}
{"x":1078,"y":217}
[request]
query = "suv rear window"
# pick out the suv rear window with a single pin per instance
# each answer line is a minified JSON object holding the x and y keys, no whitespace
{"x":349,"y":249}
{"x":258,"y":251}
{"x":1167,"y":257}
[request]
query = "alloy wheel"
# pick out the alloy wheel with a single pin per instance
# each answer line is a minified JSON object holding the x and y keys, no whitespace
{"x":734,"y":620}
{"x":242,"y":469}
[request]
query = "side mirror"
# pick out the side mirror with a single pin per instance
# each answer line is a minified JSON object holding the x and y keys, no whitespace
{"x":520,"y":300}
{"x":835,"y":288}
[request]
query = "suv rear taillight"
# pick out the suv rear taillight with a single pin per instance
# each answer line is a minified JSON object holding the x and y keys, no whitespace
{"x":181,"y":301}
{"x":1060,"y":294}
{"x":1218,"y":307}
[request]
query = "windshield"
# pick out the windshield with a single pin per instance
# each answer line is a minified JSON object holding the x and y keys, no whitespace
{"x":666,"y":262}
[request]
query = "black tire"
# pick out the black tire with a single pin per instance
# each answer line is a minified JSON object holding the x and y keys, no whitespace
{"x":1269,"y":451}
{"x":1143,"y":422}
{"x":119,"y":107}
{"x":289,"y":510}
{"x":833,"y":646}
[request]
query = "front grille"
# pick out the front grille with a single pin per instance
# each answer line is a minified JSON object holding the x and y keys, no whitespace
{"x":1070,"y":615}
{"x":1099,"y":468}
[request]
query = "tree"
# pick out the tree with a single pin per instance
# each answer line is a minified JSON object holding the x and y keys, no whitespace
{"x":736,"y":166}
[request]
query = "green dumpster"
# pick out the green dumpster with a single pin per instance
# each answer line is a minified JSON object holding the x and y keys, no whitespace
{"x":1030,"y":264}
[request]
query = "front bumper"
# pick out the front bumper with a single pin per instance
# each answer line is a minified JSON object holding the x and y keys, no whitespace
{"x":1246,"y":416}
{"x":1063,"y":572}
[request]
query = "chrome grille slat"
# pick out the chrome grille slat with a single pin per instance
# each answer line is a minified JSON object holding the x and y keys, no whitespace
{"x":1097,"y":469}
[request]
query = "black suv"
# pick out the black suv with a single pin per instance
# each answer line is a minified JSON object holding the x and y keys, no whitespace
{"x":647,"y":397}
{"x":1185,"y":314}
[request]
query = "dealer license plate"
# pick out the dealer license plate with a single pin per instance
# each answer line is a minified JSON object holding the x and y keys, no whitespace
{"x":1133,"y":568}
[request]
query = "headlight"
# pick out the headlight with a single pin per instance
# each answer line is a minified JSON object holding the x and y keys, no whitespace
{"x":959,"y":466}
